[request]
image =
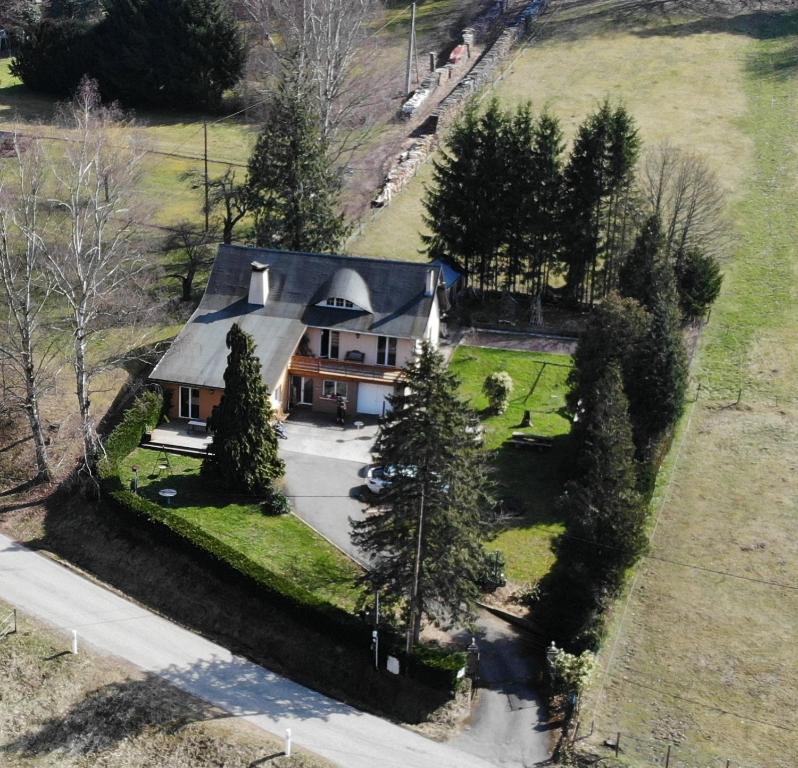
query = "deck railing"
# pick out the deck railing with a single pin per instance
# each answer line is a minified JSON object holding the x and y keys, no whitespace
{"x":342,"y":369}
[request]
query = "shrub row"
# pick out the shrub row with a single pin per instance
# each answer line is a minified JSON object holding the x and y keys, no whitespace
{"x":436,"y":668}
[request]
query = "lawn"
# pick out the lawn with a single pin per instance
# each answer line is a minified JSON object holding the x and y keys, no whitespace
{"x":90,"y":710}
{"x":283,"y":544}
{"x":533,"y":480}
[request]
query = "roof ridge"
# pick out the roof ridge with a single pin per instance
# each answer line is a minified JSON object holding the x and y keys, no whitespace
{"x":351,"y":257}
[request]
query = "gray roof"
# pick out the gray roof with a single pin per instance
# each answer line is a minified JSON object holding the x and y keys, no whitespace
{"x":391,"y":291}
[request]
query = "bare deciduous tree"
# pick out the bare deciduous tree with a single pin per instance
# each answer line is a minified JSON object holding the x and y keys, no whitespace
{"x":686,"y":193}
{"x":228,"y":200}
{"x":96,"y":262}
{"x":194,"y":248}
{"x":25,"y":345}
{"x":320,"y":39}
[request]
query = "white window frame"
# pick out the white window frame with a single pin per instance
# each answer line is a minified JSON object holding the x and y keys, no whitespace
{"x":336,"y":385}
{"x":383,"y":359}
{"x":193,"y":401}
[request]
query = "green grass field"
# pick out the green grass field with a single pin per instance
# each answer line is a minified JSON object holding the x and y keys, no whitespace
{"x":283,"y":544}
{"x":702,"y":661}
{"x":532,"y":479}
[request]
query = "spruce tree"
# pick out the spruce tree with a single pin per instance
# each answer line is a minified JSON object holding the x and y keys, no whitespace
{"x":698,"y":282}
{"x":637,"y":279}
{"x":180,"y":53}
{"x":545,"y":239}
{"x":243,"y":455}
{"x":464,"y":204}
{"x":438,"y":497}
{"x":605,"y":513}
{"x":656,"y":387}
{"x":293,"y":191}
{"x":597,"y":183}
{"x":613,"y":334}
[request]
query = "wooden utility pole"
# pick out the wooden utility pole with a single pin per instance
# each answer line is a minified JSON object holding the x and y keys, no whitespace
{"x":207,"y":203}
{"x":411,"y":49}
{"x":411,"y":622}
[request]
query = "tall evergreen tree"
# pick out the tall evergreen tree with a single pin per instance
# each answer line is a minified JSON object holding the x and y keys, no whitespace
{"x":427,"y":538}
{"x":597,"y":181}
{"x":637,"y":279}
{"x":656,"y":388}
{"x":243,"y":454}
{"x":613,"y":334}
{"x":545,"y":239}
{"x":293,"y":191}
{"x":180,"y":53}
{"x":464,"y":204}
{"x":605,"y":513}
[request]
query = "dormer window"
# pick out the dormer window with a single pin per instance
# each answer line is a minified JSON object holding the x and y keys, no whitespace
{"x":342,"y":303}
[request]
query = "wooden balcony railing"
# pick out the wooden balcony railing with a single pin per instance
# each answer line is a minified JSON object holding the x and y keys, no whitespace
{"x":342,"y":369}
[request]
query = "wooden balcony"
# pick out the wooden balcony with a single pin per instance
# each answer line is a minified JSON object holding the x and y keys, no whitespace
{"x":343,"y":369}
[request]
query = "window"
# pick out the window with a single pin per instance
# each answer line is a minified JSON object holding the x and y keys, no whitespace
{"x":386,"y":350}
{"x":329,"y":343}
{"x":189,"y":403}
{"x":330,"y":388}
{"x":334,"y":301}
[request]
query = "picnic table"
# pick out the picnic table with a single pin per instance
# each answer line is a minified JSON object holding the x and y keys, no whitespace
{"x":531,"y":442}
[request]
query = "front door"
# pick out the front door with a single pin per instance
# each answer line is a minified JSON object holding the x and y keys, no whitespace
{"x":301,"y":390}
{"x":189,"y":403}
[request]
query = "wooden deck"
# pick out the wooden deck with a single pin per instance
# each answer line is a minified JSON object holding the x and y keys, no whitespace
{"x":175,"y":436}
{"x":343,"y":369}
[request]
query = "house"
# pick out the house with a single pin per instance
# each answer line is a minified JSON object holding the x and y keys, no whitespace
{"x":325,"y":326}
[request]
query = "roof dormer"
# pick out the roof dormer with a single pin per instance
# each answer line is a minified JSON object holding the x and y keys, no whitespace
{"x":346,"y":289}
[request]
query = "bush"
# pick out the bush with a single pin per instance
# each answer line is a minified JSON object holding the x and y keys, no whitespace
{"x":54,"y":56}
{"x":275,"y":503}
{"x":497,"y":389}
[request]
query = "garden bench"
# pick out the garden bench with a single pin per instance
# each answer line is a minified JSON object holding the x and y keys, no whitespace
{"x":197,"y":426}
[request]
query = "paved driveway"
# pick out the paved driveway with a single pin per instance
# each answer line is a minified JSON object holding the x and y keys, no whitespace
{"x":325,"y":467}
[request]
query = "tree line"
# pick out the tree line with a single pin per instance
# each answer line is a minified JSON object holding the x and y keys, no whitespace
{"x":513,"y":212}
{"x":627,"y":391}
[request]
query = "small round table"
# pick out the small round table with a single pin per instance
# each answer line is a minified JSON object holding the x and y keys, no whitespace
{"x":358,"y":424}
{"x":168,"y":494}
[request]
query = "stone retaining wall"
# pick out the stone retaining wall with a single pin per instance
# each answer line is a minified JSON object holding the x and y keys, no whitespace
{"x":421,"y":145}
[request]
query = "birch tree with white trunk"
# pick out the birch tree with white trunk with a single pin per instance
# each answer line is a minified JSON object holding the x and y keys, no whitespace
{"x":27,"y":348}
{"x":96,"y":263}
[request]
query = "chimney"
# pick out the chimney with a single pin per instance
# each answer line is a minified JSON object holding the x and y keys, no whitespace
{"x":429,"y":287}
{"x":259,"y":284}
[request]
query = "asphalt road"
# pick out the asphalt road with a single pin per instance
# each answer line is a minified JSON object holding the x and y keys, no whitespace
{"x":49,"y":591}
{"x":506,"y":725}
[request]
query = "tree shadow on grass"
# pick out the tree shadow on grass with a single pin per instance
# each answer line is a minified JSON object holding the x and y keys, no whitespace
{"x":217,"y":688}
{"x":111,"y":714}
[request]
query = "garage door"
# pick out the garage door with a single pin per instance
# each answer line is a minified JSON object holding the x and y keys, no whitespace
{"x":371,"y":399}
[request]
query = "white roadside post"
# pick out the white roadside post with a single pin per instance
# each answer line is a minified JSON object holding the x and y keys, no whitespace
{"x":288,"y":742}
{"x":74,"y":641}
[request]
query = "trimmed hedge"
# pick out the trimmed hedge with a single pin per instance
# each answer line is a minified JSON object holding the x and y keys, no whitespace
{"x":434,"y":667}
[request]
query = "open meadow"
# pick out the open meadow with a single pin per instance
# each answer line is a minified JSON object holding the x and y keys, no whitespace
{"x":701,"y":652}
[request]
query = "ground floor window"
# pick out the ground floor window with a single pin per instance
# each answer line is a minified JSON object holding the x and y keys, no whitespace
{"x":189,"y":403}
{"x":330,"y":388}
